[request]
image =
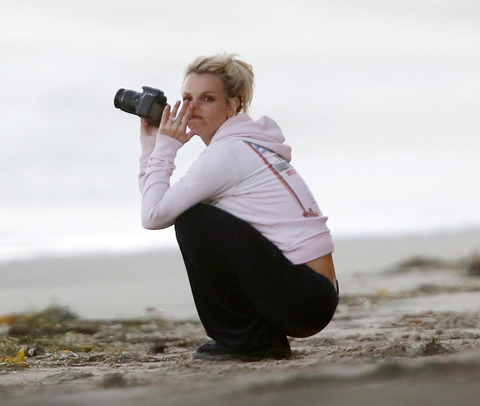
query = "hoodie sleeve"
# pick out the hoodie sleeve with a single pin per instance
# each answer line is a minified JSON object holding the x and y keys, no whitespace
{"x":207,"y":179}
{"x":148,"y":144}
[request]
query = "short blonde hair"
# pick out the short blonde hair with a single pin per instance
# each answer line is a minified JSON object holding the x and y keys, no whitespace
{"x":236,"y":75}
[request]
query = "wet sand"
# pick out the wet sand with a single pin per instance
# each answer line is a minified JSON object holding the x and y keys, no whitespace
{"x":406,"y":333}
{"x":92,"y":286}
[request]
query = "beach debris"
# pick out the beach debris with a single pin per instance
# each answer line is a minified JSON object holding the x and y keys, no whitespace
{"x":52,"y":320}
{"x":9,"y":319}
{"x":6,"y":321}
{"x":419,"y":263}
{"x":158,"y":348}
{"x":64,"y":354}
{"x":423,"y":262}
{"x":433,"y":347}
{"x":474,"y":265}
{"x":381,"y":292}
{"x":56,"y":337}
{"x":19,"y":359}
{"x":114,"y":380}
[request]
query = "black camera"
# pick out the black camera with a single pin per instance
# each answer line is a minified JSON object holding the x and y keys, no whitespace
{"x":149,"y":104}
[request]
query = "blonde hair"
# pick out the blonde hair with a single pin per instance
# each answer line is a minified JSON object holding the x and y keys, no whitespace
{"x":236,"y":75}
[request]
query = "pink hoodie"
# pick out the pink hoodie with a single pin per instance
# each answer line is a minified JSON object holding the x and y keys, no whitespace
{"x":245,"y":171}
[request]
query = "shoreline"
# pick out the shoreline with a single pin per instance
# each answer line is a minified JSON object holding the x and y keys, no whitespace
{"x":156,"y":281}
{"x":410,"y":242}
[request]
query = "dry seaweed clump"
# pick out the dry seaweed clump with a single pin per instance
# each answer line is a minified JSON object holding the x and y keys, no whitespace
{"x":56,"y":337}
{"x":425,"y":263}
{"x":419,"y":263}
{"x":39,"y":335}
{"x":51,"y":321}
{"x":474,"y":265}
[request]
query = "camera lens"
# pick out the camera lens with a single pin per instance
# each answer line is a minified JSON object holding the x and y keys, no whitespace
{"x":126,"y":100}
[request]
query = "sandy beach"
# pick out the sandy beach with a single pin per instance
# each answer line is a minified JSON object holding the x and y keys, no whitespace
{"x":407,"y":332}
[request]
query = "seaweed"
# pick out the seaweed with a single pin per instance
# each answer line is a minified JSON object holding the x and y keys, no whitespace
{"x":56,"y":336}
{"x":474,"y":265}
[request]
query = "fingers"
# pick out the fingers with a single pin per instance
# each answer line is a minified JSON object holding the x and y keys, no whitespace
{"x":175,"y":120}
{"x":147,"y":129}
{"x":165,"y":115}
{"x":173,"y":113}
{"x":179,"y":117}
{"x":185,"y":113}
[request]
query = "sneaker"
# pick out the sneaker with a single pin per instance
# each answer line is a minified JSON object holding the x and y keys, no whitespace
{"x":220,"y":352}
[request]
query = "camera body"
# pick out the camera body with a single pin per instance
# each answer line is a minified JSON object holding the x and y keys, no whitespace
{"x":149,"y":104}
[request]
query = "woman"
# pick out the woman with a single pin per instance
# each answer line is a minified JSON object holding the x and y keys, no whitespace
{"x":255,"y":244}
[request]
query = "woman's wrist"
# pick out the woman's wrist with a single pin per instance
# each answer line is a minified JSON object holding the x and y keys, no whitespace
{"x":166,"y":146}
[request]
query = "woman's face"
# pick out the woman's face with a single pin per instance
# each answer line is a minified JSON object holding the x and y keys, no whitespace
{"x":211,"y":108}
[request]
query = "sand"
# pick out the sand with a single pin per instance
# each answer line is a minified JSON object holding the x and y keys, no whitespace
{"x":404,"y":334}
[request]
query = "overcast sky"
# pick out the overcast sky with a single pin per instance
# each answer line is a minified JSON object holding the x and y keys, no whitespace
{"x":379,"y":99}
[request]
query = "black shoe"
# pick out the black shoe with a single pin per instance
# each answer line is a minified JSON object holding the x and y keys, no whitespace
{"x":215,"y":351}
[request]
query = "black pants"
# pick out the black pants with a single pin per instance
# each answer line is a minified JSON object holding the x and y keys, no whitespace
{"x":247,"y":293}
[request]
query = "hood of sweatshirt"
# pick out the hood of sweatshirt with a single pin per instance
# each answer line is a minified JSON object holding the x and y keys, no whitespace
{"x":264,"y":132}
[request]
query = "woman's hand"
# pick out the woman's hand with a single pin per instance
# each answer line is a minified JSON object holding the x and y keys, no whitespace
{"x":147,"y":129}
{"x":174,"y":123}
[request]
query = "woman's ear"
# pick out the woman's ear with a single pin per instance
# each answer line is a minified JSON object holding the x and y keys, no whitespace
{"x":234,"y":106}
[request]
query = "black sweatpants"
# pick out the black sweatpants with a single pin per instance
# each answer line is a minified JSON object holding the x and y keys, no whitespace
{"x":247,"y":293}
